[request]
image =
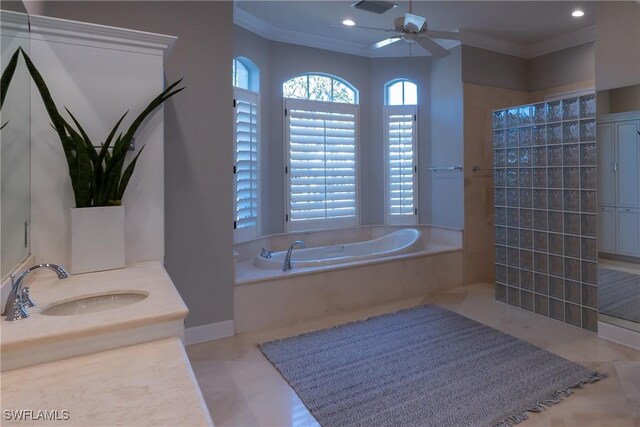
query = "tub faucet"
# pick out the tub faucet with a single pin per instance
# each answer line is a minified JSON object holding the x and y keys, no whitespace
{"x":287,"y":259}
{"x":19,"y":299}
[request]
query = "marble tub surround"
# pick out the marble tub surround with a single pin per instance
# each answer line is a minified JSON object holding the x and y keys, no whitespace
{"x":150,"y":384}
{"x":40,"y":338}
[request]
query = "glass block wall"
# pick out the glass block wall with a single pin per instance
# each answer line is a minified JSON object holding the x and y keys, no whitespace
{"x":545,"y":209}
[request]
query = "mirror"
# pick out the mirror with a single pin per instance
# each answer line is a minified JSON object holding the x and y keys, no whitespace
{"x":619,"y":206}
{"x":15,"y":139}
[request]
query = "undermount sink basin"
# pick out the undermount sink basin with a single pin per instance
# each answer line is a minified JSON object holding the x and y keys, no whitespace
{"x":94,"y":304}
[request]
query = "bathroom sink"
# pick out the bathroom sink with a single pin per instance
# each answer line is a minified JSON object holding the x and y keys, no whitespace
{"x":95,"y":303}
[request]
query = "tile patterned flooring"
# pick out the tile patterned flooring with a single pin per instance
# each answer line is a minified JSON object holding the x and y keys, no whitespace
{"x":243,"y":389}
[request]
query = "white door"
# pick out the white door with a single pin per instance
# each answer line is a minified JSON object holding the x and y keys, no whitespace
{"x":628,"y":222}
{"x":607,"y":229}
{"x":606,"y":164}
{"x":628,"y":153}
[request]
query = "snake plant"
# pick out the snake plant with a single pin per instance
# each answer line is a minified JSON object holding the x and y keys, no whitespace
{"x":5,"y":80}
{"x":98,"y":176}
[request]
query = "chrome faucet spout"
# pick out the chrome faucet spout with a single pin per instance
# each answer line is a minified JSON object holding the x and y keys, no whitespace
{"x":287,"y":259}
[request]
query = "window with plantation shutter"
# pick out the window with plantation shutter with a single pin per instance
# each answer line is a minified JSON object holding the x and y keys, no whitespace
{"x":246,"y":189}
{"x":321,"y":164}
{"x":401,"y":166}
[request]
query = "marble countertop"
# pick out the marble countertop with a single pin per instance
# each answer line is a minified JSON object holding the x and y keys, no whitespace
{"x":163,"y":304}
{"x":150,"y":384}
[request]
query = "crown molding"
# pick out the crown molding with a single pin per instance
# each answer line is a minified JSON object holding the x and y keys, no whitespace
{"x":101,"y":36}
{"x":564,"y":41}
{"x":14,"y":24}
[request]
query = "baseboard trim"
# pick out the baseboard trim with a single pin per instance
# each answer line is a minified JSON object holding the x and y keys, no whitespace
{"x":619,"y":335}
{"x":208,"y":332}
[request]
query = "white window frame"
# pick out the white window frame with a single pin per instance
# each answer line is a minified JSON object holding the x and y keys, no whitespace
{"x":323,"y":224}
{"x":400,"y":110}
{"x":247,"y":233}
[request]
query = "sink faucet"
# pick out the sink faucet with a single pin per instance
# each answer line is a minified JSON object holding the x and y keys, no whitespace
{"x":19,"y":298}
{"x":287,"y":259}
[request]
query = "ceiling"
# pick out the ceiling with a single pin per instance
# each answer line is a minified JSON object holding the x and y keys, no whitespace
{"x":521,"y":28}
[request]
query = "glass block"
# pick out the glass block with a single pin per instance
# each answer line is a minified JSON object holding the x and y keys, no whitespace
{"x":540,"y":263}
{"x":572,"y":291}
{"x":554,"y":155}
{"x":587,"y":130}
{"x":589,"y":249}
{"x":524,"y":136}
{"x":571,"y":177}
{"x":526,"y":239}
{"x":554,"y":177}
{"x":572,"y":269}
{"x":590,"y":319}
{"x":526,"y":262}
{"x":554,"y":111}
{"x":555,"y":243}
{"x":555,"y":200}
{"x":501,"y":292}
{"x":513,"y":276}
{"x":512,"y":157}
{"x":540,"y":220}
{"x":588,"y":154}
{"x":541,"y":304}
{"x":540,"y":156}
{"x":571,"y":155}
{"x":499,"y":119}
{"x":501,"y":273}
{"x":556,"y":309}
{"x":588,"y":177}
{"x":588,"y":225}
{"x":513,"y":217}
{"x":554,"y":134}
{"x":541,"y":283}
{"x":540,"y":178}
{"x":526,"y":299}
{"x":499,"y":139}
{"x":588,"y":106}
{"x":500,"y":178}
{"x":556,"y":264}
{"x":501,"y":254}
{"x":513,"y":238}
{"x":526,"y":218}
{"x":570,"y":132}
{"x":556,"y":287}
{"x":588,"y":201}
{"x":513,"y":296}
{"x":500,"y":197}
{"x":556,"y":221}
{"x":501,"y":235}
{"x":571,"y":223}
{"x":539,"y":113}
{"x":572,"y":246}
{"x":539,"y":197}
{"x":590,"y":296}
{"x":572,"y":314}
{"x":589,"y":272}
{"x":525,"y":157}
{"x":512,"y":197}
{"x":499,"y":158}
{"x":540,"y":240}
{"x":571,"y":200}
{"x":513,"y":256}
{"x":525,"y":198}
{"x":512,"y":117}
{"x":501,"y":216}
{"x":539,"y":135}
{"x":570,"y":109}
{"x":524,"y":115}
{"x":525,"y":177}
{"x":512,"y":137}
{"x":512,"y":177}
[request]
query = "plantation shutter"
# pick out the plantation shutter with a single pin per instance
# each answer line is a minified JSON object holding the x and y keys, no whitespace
{"x":321,"y":164}
{"x":401,"y":170}
{"x":246,"y":121}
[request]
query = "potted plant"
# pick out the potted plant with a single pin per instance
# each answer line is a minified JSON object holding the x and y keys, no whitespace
{"x":99,"y":179}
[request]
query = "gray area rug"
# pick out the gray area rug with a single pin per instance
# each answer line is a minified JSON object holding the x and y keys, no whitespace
{"x":619,"y":294}
{"x":424,"y":366}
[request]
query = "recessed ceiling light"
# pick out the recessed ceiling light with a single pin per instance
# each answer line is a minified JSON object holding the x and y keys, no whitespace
{"x":577,"y":13}
{"x":348,"y":23}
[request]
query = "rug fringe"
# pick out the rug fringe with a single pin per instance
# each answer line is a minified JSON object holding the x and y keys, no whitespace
{"x":554,"y":399}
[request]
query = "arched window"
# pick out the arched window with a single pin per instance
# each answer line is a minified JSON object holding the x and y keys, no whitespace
{"x":246,"y":102}
{"x":401,"y":146}
{"x":321,"y":140}
{"x":401,"y":92}
{"x":320,"y":87}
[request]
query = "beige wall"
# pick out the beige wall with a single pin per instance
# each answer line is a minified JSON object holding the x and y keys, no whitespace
{"x":562,"y":68}
{"x":624,"y":99}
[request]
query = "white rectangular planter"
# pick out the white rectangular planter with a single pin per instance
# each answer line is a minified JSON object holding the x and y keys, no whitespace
{"x":97,"y":239}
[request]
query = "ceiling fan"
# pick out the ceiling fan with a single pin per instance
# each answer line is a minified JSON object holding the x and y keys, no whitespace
{"x":413,"y":28}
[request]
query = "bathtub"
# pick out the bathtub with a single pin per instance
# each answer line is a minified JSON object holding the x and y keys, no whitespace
{"x":397,"y":242}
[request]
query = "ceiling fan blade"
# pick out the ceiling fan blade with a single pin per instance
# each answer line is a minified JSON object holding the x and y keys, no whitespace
{"x":431,"y":46}
{"x":414,"y":22}
{"x":383,"y":43}
{"x":444,"y":35}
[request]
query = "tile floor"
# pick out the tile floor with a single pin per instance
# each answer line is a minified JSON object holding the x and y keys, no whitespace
{"x":242,"y":388}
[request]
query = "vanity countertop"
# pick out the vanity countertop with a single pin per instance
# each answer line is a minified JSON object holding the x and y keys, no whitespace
{"x":148,"y":384}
